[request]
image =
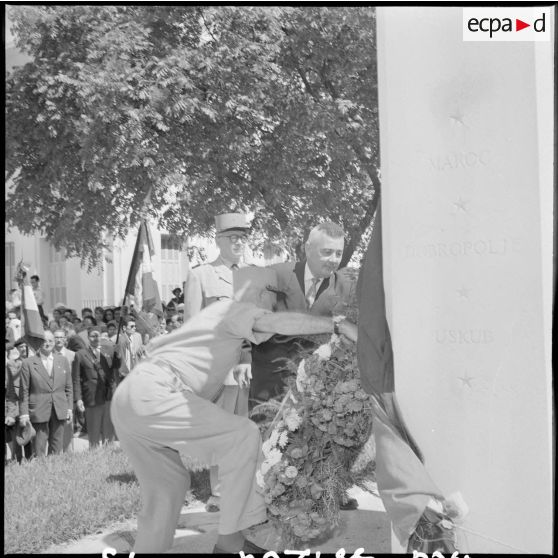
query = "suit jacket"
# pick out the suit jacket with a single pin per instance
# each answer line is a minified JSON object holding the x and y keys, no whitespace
{"x":68,"y":355}
{"x":11,"y":408}
{"x":94,"y":382}
{"x":40,"y":393}
{"x":332,"y":296}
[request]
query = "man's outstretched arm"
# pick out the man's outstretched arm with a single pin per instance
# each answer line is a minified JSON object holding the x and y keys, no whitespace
{"x":298,"y":323}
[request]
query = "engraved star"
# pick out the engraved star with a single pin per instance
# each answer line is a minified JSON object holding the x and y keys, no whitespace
{"x":466,"y":379}
{"x":461,"y":204}
{"x":458,"y":117}
{"x":463,"y":292}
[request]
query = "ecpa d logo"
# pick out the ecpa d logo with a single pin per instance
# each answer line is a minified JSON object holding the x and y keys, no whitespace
{"x":507,"y":24}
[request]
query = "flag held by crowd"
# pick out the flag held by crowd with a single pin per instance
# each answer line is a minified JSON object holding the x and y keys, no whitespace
{"x":141,"y":284}
{"x":32,"y":324}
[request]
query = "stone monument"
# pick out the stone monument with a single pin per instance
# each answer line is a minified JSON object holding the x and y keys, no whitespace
{"x":466,"y":160}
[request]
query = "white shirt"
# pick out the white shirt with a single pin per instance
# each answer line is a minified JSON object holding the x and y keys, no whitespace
{"x":48,"y":362}
{"x":39,"y":297}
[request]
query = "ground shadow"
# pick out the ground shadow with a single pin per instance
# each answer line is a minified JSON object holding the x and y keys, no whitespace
{"x":199,"y":485}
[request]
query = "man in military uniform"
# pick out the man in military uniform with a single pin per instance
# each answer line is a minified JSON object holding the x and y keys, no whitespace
{"x":209,"y":283}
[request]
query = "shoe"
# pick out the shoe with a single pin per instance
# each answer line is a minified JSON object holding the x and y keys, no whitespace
{"x":212,"y":504}
{"x":347,"y":504}
{"x":248,"y":547}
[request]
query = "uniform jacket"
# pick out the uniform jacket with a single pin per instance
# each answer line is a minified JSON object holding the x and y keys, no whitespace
{"x":207,"y":283}
{"x":40,"y":394}
{"x":94,"y":382}
{"x":332,"y":296}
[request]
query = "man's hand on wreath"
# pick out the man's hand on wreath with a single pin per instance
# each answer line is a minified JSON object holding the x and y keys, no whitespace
{"x":348,"y":329}
{"x":243,"y":374}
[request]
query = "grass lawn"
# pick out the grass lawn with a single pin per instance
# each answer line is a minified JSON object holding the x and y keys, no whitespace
{"x":66,"y":497}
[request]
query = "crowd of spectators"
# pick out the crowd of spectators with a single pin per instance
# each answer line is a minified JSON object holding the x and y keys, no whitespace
{"x":96,"y":354}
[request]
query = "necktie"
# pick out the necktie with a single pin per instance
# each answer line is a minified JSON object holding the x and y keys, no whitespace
{"x":311,"y":294}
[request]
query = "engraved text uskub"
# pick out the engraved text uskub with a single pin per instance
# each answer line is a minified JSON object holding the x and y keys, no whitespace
{"x":464,"y":336}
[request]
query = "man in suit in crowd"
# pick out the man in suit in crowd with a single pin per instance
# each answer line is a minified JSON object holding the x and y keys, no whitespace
{"x":130,"y":348}
{"x":46,"y":397}
{"x":314,"y":285}
{"x":94,"y":372}
{"x":209,"y":283}
{"x":61,"y":349}
{"x":13,"y":368}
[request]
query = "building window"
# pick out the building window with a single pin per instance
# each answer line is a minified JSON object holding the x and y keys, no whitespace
{"x":57,"y":276}
{"x":10,"y":267}
{"x":171,"y":276}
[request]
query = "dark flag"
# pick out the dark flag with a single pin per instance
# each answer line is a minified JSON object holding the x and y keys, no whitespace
{"x":403,"y":482}
{"x":141,"y":284}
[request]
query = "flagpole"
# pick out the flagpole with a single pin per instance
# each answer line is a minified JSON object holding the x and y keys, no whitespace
{"x":130,"y":274}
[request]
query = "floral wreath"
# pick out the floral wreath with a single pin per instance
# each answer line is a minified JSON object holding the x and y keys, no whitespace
{"x":317,"y":445}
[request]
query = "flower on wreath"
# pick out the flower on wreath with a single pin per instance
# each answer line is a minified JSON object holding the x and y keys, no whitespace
{"x":292,"y":419}
{"x":283,"y":439}
{"x":323,"y":351}
{"x":291,"y":472}
{"x":297,"y":453}
{"x":272,"y":458}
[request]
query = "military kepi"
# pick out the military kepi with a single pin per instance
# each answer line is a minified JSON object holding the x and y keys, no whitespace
{"x":231,"y":222}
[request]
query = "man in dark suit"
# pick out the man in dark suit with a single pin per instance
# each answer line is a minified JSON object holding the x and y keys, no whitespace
{"x":311,"y":285}
{"x":130,"y":348}
{"x":46,"y":397}
{"x":93,"y":372}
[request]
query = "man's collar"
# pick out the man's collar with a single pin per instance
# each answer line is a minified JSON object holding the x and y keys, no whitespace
{"x":227,"y":263}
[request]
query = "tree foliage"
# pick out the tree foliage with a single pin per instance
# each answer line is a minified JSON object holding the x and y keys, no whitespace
{"x":202,"y":109}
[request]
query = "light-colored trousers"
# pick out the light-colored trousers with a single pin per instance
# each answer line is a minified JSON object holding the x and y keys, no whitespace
{"x":99,"y":425}
{"x":157,"y":422}
{"x":233,"y":399}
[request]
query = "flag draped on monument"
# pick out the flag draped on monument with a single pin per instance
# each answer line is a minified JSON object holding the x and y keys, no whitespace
{"x":141,"y":284}
{"x":403,"y":482}
{"x":32,"y":324}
